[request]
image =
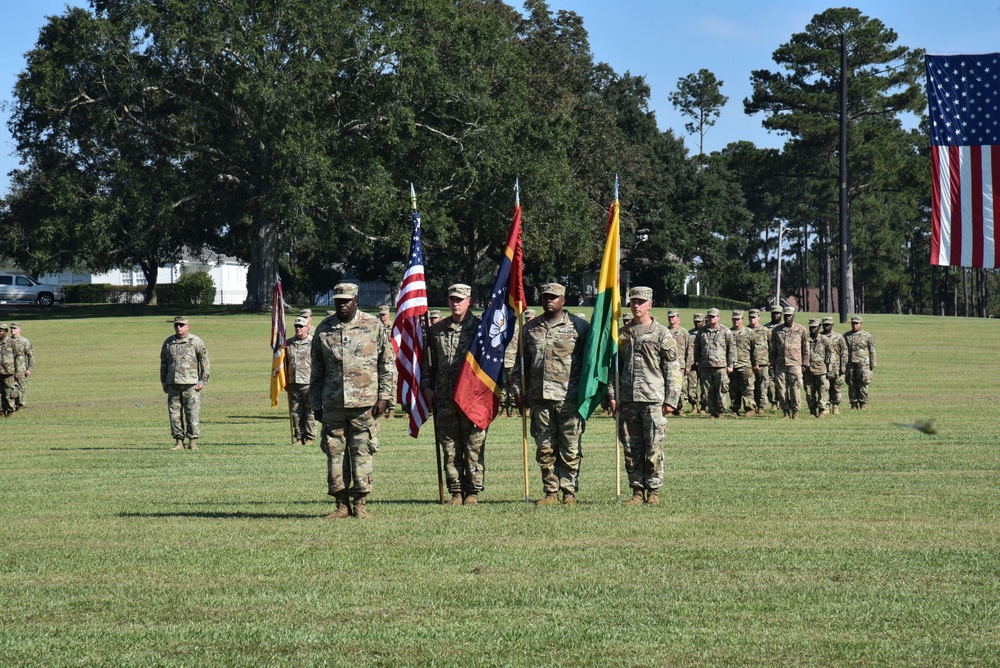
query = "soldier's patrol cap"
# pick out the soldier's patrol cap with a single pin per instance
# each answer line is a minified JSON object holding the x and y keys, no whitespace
{"x":345,"y":291}
{"x":15,"y":325}
{"x":699,"y":317}
{"x":556,"y":289}
{"x":180,"y":320}
{"x":301,"y":321}
{"x":713,"y":312}
{"x":813,"y":322}
{"x":855,"y":318}
{"x":737,"y":315}
{"x":776,"y":309}
{"x":673,"y":313}
{"x":434,"y":314}
{"x":460,"y":290}
{"x":383,"y":310}
{"x":640,"y":292}
{"x":754,"y":313}
{"x":529,"y":314}
{"x":4,"y":326}
{"x":626,"y":316}
{"x":828,"y":320}
{"x":306,"y":313}
{"x":788,"y":310}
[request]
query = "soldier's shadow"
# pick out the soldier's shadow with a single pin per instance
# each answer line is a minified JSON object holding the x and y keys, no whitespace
{"x":222,"y":515}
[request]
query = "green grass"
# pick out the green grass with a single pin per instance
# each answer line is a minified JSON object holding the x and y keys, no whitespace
{"x":843,"y":541}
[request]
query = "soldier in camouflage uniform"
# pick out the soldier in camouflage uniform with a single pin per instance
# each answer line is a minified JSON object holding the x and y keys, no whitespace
{"x":649,"y":381}
{"x":553,"y":360}
{"x":25,"y":351}
{"x":685,"y":355}
{"x":741,"y":380}
{"x":184,"y":371}
{"x":789,"y":350}
{"x":385,"y":317}
{"x":691,"y":384}
{"x":838,"y":364}
{"x":299,"y":355}
{"x":760,"y":347}
{"x":307,"y":313}
{"x":350,"y":386}
{"x":433,"y":316}
{"x":715,"y":354}
{"x":510,"y":358}
{"x":814,"y":374}
{"x":462,"y":443}
{"x":860,"y":363}
{"x":10,"y":372}
{"x":772,"y":388}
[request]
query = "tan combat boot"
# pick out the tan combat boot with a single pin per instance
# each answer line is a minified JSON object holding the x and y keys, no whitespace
{"x":569,"y":499}
{"x":653,"y":498}
{"x":192,"y":443}
{"x":795,"y":415}
{"x":360,"y":511}
{"x":863,"y":405}
{"x":549,"y":500}
{"x":307,"y":442}
{"x":178,"y":444}
{"x":836,"y":409}
{"x":343,"y":508}
{"x":471,"y":499}
{"x":637,"y":498}
{"x":455,"y":500}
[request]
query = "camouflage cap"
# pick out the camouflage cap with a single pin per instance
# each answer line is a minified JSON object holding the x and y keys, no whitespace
{"x":788,"y":310}
{"x":306,"y":313}
{"x":828,"y":320}
{"x":556,"y":289}
{"x":673,"y":313}
{"x":737,"y":315}
{"x":460,"y":291}
{"x":699,"y":317}
{"x":15,"y":325}
{"x":627,"y":317}
{"x":813,"y":322}
{"x":345,"y":291}
{"x":528,"y":314}
{"x":641,"y":292}
{"x":713,"y":312}
{"x":4,"y":326}
{"x":383,"y":310}
{"x":776,"y":309}
{"x":434,"y":314}
{"x":301,"y":322}
{"x":855,"y":318}
{"x":754,"y":313}
{"x":180,"y":320}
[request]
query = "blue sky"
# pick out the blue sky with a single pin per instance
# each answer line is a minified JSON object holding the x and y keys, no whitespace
{"x":662,"y":40}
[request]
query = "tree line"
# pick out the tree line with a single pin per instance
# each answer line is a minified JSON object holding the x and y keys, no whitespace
{"x":286,"y":133}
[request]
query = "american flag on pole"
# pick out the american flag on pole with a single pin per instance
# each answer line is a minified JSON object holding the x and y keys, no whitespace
{"x":963,"y":93}
{"x":408,"y":333}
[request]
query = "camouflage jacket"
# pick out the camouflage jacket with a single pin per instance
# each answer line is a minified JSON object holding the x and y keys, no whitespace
{"x":648,"y":365}
{"x":713,"y":348}
{"x":692,"y":335}
{"x":743,"y":343}
{"x":820,"y":362}
{"x":860,"y":348}
{"x":298,"y":352}
{"x":553,"y":357}
{"x":23,"y":349}
{"x":10,"y":362}
{"x":510,"y":355}
{"x":685,"y":348}
{"x":184,"y":361}
{"x":838,"y":351}
{"x":789,"y":346}
{"x":451,"y":341}
{"x":760,"y":346}
{"x":351,"y":363}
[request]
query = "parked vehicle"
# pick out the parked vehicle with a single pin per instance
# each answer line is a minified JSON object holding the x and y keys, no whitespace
{"x":21,"y":288}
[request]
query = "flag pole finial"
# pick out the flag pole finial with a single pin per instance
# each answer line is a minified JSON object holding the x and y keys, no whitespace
{"x":517,"y":191}
{"x":616,"y":187}
{"x":413,"y":197}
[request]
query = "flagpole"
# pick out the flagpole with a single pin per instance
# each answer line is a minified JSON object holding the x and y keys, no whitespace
{"x":618,"y":413}
{"x":520,"y":353}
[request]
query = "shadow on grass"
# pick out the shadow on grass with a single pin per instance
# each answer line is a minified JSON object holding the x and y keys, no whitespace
{"x":246,"y":417}
{"x":219,"y":515}
{"x":124,"y":447}
{"x":73,"y":311}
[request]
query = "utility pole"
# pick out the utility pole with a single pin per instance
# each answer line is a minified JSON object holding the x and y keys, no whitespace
{"x":777,"y":290}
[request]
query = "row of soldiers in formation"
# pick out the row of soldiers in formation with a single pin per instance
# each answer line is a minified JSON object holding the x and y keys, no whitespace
{"x":17,"y":359}
{"x":341,"y":381}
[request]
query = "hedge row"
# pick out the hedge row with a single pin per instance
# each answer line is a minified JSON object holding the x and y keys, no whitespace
{"x":707,"y":302}
{"x":194,"y":288}
{"x":103,"y":293}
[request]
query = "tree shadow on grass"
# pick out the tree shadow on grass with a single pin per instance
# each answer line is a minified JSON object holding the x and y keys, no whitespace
{"x":246,"y":417}
{"x":124,"y":447}
{"x":220,"y":515}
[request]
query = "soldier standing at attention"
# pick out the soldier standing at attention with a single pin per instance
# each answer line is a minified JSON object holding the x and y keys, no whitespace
{"x":789,"y":350}
{"x":510,"y":357}
{"x":308,"y":315}
{"x":649,"y":368}
{"x":433,"y":316}
{"x":10,"y":372}
{"x":772,"y":390}
{"x":462,"y":442}
{"x":350,"y":386}
{"x":553,"y":360}
{"x":691,"y":384}
{"x":838,"y":364}
{"x":299,"y":351}
{"x":815,"y":373}
{"x":685,"y":355}
{"x":760,"y":346}
{"x":184,"y":371}
{"x":860,"y":363}
{"x":26,"y":354}
{"x":385,"y":317}
{"x":741,"y":380}
{"x":716,"y":355}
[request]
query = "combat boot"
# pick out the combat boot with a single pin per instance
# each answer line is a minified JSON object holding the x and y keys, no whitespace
{"x":178,"y":444}
{"x":549,"y":500}
{"x":360,"y":511}
{"x":854,"y":405}
{"x":862,"y":405}
{"x":795,"y":415}
{"x":307,"y":442}
{"x":836,"y":409}
{"x":193,"y":443}
{"x":343,"y":509}
{"x":823,"y":413}
{"x":653,"y":498}
{"x":471,"y":499}
{"x":455,"y":500}
{"x":785,"y":416}
{"x":569,"y":500}
{"x":637,"y":498}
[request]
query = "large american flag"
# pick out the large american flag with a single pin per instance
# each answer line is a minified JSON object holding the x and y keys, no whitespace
{"x":963,"y":93}
{"x":408,"y":333}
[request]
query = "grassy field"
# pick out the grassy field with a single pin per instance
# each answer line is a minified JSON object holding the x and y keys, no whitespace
{"x":842,"y":541}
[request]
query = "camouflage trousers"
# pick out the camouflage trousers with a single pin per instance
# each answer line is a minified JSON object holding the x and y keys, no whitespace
{"x":558,"y":430}
{"x":691,"y":387}
{"x":350,"y":441}
{"x":187,"y":400}
{"x":641,"y":430}
{"x":762,"y":391}
{"x":8,"y":393}
{"x":714,"y":386}
{"x":834,"y":389}
{"x":507,"y":391}
{"x":22,"y":390}
{"x":303,"y":422}
{"x":788,"y":387}
{"x":815,"y":392}
{"x":772,"y":387}
{"x":859,"y":377}
{"x":741,"y":386}
{"x":463,"y":448}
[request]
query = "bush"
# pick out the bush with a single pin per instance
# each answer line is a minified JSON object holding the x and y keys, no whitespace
{"x":194,"y":288}
{"x":104,"y":293}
